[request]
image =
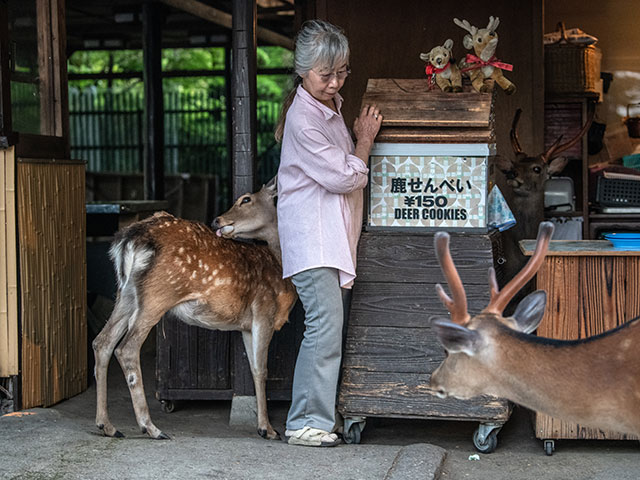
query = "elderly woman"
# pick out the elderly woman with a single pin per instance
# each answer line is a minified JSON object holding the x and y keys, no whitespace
{"x":320,"y":182}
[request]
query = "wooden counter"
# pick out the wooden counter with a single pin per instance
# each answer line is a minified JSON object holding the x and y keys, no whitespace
{"x":591,"y":288}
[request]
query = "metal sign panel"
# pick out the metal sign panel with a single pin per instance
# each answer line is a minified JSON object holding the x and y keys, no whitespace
{"x":440,"y":187}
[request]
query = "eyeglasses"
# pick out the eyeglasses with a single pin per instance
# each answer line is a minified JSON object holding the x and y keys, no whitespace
{"x":340,"y":75}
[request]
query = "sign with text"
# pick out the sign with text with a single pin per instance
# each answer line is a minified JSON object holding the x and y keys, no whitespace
{"x":436,"y":191}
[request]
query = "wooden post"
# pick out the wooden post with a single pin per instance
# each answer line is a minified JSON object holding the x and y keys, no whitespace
{"x":243,"y":115}
{"x":228,"y":186}
{"x":243,"y":86}
{"x":152,"y":19}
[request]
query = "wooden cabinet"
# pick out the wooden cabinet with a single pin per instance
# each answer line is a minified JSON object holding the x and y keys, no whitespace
{"x":591,"y":288}
{"x":391,"y":348}
{"x":194,"y":363}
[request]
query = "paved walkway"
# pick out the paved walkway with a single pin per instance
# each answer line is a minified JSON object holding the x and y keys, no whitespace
{"x":62,"y":443}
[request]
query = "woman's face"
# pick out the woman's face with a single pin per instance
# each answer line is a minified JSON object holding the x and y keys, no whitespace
{"x":324,"y":83}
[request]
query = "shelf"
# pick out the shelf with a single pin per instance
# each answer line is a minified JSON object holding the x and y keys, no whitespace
{"x":610,"y":216}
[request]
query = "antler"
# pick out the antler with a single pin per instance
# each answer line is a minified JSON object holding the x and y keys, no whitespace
{"x":556,"y":148}
{"x":458,"y":305}
{"x":493,"y":23}
{"x":466,"y":25}
{"x":514,"y":132}
{"x":501,"y":298}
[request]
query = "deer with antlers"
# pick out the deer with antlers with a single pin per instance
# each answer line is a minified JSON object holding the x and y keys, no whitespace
{"x":593,"y":381}
{"x":204,"y":278}
{"x":525,"y":176}
{"x":484,"y":64}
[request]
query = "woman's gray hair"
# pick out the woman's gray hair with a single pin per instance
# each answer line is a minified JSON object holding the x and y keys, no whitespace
{"x":319,"y":44}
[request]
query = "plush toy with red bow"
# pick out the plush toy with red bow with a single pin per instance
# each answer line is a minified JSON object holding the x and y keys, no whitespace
{"x":484,"y":63}
{"x":441,"y":70}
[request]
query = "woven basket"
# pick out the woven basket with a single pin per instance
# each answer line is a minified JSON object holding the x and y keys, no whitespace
{"x":570,"y":67}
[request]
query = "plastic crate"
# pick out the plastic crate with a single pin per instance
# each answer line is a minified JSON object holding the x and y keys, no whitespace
{"x":617,"y":192}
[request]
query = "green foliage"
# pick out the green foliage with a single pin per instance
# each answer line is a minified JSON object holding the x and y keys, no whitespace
{"x":105,"y":115}
{"x":118,"y":61}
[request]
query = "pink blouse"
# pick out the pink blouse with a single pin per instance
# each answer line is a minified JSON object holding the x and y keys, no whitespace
{"x":320,"y":185}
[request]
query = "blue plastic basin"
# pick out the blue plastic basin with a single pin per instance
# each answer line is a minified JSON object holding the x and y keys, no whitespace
{"x":624,"y":241}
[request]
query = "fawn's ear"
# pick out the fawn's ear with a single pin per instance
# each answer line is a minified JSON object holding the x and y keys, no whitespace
{"x":529,"y":312}
{"x":456,"y":338}
{"x":271,"y":187}
{"x":448,"y":44}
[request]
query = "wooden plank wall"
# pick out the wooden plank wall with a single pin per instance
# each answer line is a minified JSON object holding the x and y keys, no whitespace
{"x":52,"y":246}
{"x":8,"y":267}
{"x":587,"y":295}
{"x":386,"y":38}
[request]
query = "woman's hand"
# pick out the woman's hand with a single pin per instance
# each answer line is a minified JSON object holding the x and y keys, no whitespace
{"x":365,"y":128}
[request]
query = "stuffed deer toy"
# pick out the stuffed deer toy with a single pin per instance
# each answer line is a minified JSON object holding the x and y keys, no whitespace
{"x":441,"y":70}
{"x":484,"y":63}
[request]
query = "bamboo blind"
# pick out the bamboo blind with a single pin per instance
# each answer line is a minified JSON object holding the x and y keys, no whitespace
{"x":8,"y":267}
{"x":51,"y":228}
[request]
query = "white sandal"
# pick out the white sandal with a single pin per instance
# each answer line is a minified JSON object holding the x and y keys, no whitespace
{"x":312,"y":437}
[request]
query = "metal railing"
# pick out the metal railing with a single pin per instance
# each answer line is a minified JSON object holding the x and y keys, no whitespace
{"x":107,"y":127}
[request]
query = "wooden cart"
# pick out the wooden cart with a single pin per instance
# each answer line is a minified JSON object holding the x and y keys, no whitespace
{"x":591,"y":288}
{"x":391,"y":349}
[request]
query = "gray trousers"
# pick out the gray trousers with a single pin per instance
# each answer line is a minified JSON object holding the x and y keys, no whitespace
{"x":315,"y":379}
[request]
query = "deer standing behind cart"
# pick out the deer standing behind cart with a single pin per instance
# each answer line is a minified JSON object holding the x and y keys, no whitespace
{"x":204,"y":278}
{"x":525,"y":176}
{"x":594,"y":381}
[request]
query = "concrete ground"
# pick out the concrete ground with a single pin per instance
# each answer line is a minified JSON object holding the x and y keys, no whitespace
{"x":62,"y":443}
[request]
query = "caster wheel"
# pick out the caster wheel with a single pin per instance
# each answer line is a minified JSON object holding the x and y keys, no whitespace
{"x":353,"y":434}
{"x":549,"y":447}
{"x":490,"y":442}
{"x":168,"y":406}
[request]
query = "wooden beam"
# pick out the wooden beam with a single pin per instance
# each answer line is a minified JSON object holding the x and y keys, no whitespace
{"x":152,"y":19}
{"x":243,"y":158}
{"x":45,"y":69}
{"x":59,"y":72}
{"x":223,"y":19}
